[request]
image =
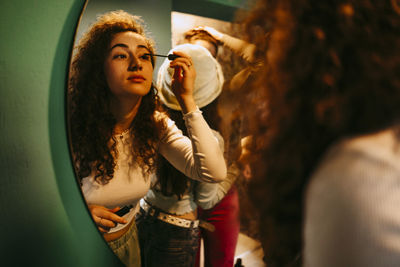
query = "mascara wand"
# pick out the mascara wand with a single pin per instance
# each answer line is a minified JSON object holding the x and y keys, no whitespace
{"x":170,"y":56}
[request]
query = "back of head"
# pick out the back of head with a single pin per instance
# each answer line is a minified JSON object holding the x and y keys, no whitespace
{"x":332,"y":71}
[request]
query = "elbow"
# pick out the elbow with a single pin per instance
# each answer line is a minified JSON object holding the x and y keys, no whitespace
{"x":220,"y":174}
{"x":220,"y":170}
{"x":214,"y":175}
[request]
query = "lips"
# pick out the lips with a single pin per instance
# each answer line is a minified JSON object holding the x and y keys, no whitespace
{"x":136,"y":78}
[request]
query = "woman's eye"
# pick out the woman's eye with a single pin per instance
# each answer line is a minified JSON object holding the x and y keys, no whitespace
{"x":119,"y":56}
{"x":146,"y":56}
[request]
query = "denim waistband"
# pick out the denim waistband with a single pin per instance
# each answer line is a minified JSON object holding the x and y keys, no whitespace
{"x":121,"y":241}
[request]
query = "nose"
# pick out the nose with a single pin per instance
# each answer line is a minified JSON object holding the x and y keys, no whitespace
{"x":134,"y":64}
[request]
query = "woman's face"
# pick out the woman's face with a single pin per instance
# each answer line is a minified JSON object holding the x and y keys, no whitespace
{"x":128,"y":67}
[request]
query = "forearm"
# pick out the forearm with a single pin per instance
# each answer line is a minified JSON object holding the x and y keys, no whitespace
{"x":240,"y":47}
{"x":206,"y":151}
{"x":198,"y":157}
{"x":187,"y":103}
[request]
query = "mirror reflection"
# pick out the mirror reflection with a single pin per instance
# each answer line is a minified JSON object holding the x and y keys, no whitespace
{"x":159,"y":145}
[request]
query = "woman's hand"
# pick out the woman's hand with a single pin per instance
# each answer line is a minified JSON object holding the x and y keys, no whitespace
{"x":104,"y":218}
{"x":211,"y":31}
{"x":183,"y":81}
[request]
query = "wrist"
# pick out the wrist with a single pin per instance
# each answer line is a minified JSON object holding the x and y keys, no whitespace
{"x":187,"y":103}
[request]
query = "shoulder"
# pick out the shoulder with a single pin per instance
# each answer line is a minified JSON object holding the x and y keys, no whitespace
{"x":356,"y":160}
{"x":352,"y":197}
{"x":163,"y":118}
{"x":168,"y":126}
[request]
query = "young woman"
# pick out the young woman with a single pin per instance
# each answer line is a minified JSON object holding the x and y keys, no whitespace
{"x":168,"y":226}
{"x":117,"y":134}
{"x":220,"y":244}
{"x":326,"y":147}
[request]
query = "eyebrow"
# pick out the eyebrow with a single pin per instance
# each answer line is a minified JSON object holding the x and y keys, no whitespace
{"x":125,"y":46}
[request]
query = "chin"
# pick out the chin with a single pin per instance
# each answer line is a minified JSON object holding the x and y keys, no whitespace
{"x":139,"y":91}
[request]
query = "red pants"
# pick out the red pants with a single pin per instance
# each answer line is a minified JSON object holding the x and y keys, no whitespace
{"x":220,"y":245}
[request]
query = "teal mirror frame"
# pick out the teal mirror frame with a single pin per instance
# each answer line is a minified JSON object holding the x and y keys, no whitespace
{"x":44,"y":218}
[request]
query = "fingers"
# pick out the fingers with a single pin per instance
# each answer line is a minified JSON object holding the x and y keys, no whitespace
{"x":105,"y":218}
{"x":103,"y":230}
{"x":115,"y":209}
{"x":177,"y":74}
{"x":106,"y":223}
{"x":185,"y":72}
{"x":198,"y":28}
{"x":183,"y":61}
{"x":111,"y":216}
{"x":185,"y":67}
{"x":213,"y":32}
{"x":183,"y":80}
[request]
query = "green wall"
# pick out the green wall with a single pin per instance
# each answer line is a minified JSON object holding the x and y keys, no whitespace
{"x":44,"y":221}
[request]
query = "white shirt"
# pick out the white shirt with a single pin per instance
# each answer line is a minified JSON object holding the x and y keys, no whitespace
{"x":199,"y":158}
{"x":352,"y":205}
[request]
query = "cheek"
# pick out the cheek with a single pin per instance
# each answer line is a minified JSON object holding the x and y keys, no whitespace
{"x":112,"y":74}
{"x":149,"y":71}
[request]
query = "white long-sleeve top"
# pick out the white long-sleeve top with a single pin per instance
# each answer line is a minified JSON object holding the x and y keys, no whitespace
{"x":352,"y":204}
{"x":199,"y":158}
{"x":203,"y":194}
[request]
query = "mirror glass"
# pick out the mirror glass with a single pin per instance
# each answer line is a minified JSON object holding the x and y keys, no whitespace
{"x":166,"y":21}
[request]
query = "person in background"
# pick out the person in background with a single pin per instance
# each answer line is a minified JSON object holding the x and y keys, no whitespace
{"x":326,"y":149}
{"x":117,"y":133}
{"x":220,"y":244}
{"x":168,"y":223}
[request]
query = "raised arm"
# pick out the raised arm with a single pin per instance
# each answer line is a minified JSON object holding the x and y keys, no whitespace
{"x":241,"y":48}
{"x":199,"y":157}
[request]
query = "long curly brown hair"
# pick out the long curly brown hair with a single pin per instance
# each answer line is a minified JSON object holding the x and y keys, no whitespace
{"x":332,"y":70}
{"x":91,"y":121}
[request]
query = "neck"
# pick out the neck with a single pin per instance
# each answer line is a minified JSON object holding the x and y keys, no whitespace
{"x":124,"y":112}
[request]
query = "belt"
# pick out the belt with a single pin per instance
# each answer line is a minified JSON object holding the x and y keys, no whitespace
{"x":168,"y":218}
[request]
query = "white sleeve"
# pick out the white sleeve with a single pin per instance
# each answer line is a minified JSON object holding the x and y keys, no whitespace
{"x":199,"y":157}
{"x":352,"y":213}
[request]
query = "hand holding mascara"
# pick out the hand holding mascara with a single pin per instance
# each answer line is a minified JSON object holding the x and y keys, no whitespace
{"x":124,"y":210}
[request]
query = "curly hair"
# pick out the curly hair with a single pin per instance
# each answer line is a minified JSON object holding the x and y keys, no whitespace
{"x":332,"y":71}
{"x":91,"y":121}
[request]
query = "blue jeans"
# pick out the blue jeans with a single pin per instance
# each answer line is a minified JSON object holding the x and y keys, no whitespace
{"x":164,"y":244}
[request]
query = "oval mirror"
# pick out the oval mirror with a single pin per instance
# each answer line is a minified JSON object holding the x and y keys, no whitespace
{"x":166,"y":22}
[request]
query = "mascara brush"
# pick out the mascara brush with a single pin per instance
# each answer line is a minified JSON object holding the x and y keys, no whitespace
{"x":170,"y":56}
